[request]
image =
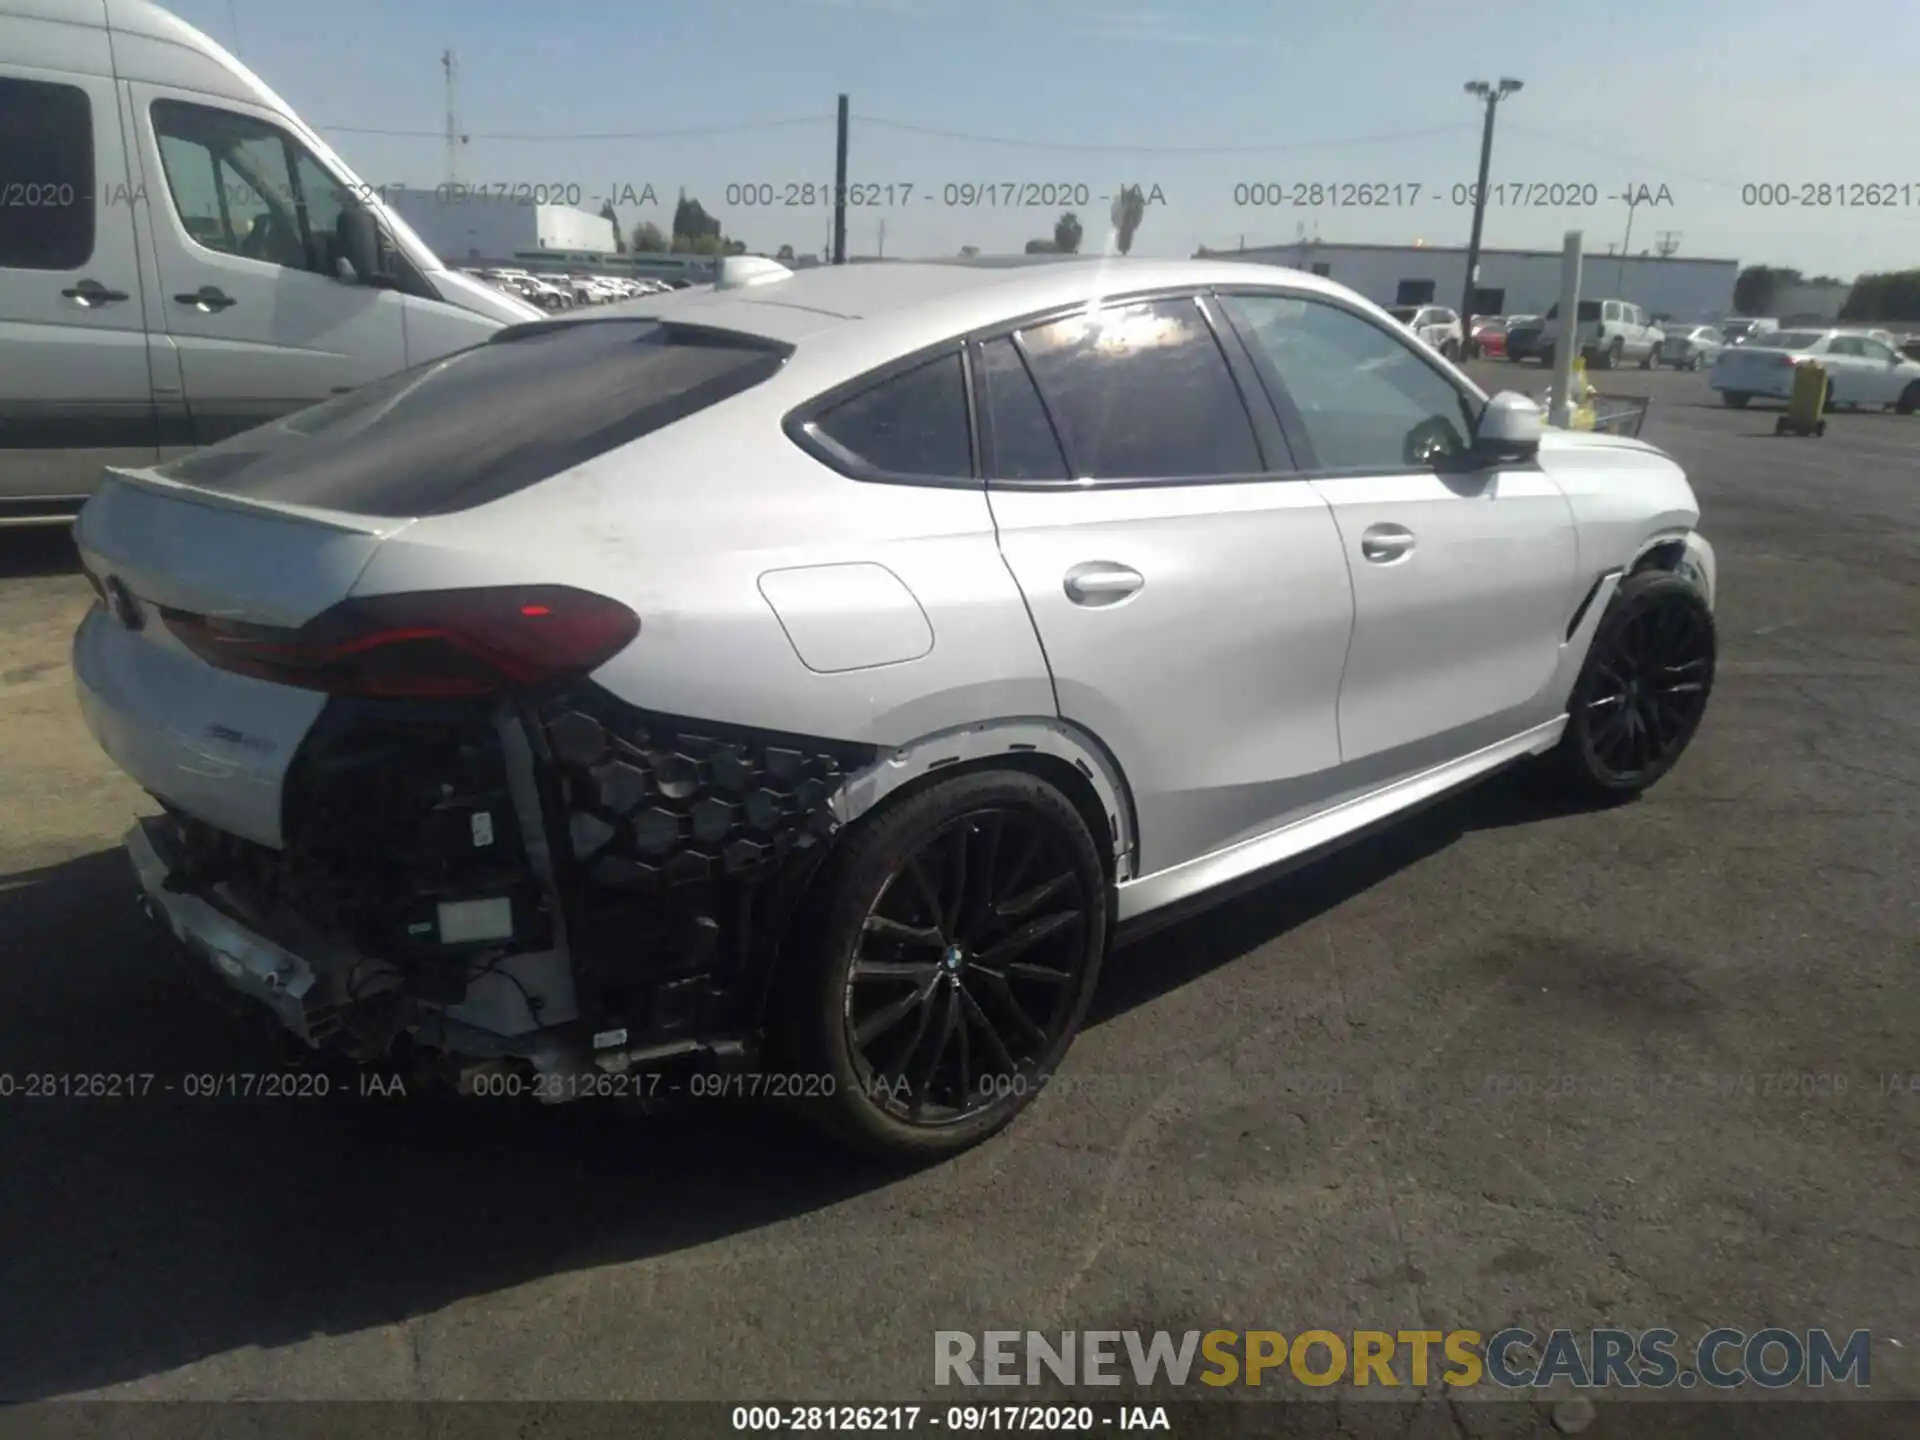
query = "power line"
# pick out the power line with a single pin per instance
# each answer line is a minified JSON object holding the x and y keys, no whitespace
{"x":735,"y":127}
{"x":1259,"y":148}
{"x":1658,"y":167}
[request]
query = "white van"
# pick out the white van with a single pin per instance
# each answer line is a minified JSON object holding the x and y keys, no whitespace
{"x":181,"y":258}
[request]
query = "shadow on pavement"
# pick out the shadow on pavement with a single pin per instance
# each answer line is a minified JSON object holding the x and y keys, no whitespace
{"x":37,"y":550}
{"x":142,"y":1234}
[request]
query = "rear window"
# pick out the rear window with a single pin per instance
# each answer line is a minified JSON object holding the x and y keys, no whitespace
{"x":1782,"y":340}
{"x":485,"y":422}
{"x":1589,"y":310}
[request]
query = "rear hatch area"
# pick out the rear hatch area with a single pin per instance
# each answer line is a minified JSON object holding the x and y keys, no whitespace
{"x":364,"y":823}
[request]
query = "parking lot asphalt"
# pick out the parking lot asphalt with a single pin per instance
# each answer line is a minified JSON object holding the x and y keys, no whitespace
{"x":1508,"y":1064}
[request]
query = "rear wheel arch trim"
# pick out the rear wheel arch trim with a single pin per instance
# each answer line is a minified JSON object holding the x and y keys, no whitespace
{"x":1011,"y":741}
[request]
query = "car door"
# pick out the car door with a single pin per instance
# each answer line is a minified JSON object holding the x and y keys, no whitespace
{"x":75,"y":392}
{"x":243,"y":230}
{"x":1883,"y":377}
{"x":1464,"y":579}
{"x":1189,"y":590}
{"x":1848,"y":382}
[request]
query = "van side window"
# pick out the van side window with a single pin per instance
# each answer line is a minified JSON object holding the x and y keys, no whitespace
{"x":244,"y":187}
{"x":46,"y":175}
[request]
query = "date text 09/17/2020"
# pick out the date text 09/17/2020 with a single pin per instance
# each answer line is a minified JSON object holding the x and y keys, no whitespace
{"x":952,"y":194}
{"x":1396,"y":194}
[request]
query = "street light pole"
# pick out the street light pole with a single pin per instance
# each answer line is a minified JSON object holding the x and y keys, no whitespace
{"x":1493,"y":94}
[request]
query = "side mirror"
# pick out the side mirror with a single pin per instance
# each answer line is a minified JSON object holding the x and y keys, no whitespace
{"x":1509,"y":428}
{"x":357,"y":248}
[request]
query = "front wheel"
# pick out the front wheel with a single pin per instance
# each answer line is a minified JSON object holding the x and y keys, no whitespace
{"x":1652,"y":355}
{"x":1909,"y":400}
{"x":956,"y":942}
{"x":1643,"y":690}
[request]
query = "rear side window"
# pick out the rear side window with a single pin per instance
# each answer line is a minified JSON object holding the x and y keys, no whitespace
{"x":46,"y":176}
{"x":1143,"y":392}
{"x":912,"y":423}
{"x":485,"y":422}
{"x":1024,"y":445}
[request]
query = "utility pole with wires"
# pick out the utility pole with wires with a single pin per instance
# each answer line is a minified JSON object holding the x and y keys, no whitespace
{"x":1620,"y":278}
{"x":1493,"y":93}
{"x":1666,"y":243}
{"x":450,"y":63}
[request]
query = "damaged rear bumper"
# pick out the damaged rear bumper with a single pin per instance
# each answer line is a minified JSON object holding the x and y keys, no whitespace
{"x":642,"y":872}
{"x":248,"y":962}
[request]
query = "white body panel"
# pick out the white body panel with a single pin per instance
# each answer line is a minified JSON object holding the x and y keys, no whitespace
{"x":1220,"y":726}
{"x":1465,"y":623}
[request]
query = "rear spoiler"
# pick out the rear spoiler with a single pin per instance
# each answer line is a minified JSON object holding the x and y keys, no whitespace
{"x":149,"y":479}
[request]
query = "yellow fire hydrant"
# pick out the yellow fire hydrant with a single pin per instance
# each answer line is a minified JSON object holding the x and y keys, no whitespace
{"x":1580,"y":412}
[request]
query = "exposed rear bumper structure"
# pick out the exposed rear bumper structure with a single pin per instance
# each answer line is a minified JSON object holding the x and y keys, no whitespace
{"x":642,"y":870}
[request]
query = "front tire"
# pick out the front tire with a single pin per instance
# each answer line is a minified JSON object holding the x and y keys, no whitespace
{"x":1909,"y":400}
{"x":956,"y":942}
{"x":1643,"y":690}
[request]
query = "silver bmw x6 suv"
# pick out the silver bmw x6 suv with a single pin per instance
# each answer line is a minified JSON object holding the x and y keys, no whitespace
{"x":812,"y":675}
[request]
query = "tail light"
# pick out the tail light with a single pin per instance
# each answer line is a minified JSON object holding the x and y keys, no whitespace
{"x":433,"y":644}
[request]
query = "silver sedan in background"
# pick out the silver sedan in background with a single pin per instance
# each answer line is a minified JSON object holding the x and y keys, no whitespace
{"x":1691,"y":347}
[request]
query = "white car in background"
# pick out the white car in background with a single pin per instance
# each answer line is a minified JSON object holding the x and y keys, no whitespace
{"x":1435,"y":324}
{"x":1743,"y":328}
{"x":1691,"y":347}
{"x":1861,"y":371}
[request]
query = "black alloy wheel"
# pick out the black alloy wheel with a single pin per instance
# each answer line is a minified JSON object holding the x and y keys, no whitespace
{"x":960,"y":943}
{"x":1645,"y":686}
{"x":967,"y":969}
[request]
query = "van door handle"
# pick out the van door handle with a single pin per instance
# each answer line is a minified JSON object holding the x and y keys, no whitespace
{"x":89,"y":293}
{"x":1101,"y":582}
{"x":208,"y":299}
{"x":1384,"y":544}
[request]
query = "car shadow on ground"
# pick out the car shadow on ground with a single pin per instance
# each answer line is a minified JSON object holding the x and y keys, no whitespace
{"x":145,"y":1233}
{"x":35,"y":550}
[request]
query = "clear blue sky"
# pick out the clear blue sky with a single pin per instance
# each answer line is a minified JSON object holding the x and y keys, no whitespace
{"x":1699,"y":96}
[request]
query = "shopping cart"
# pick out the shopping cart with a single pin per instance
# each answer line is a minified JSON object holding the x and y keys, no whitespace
{"x":1616,"y":414}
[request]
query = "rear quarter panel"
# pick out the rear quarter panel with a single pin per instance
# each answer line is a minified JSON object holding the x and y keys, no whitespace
{"x":683,"y":525}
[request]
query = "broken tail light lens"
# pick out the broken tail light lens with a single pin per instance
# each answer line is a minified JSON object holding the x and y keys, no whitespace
{"x":438,"y":644}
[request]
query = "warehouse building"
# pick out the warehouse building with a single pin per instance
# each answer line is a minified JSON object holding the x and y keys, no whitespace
{"x":1512,"y":282}
{"x":477,"y":226}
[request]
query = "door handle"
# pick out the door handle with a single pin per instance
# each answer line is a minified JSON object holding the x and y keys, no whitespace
{"x":89,"y":293}
{"x":1383,"y":544}
{"x":208,"y":299}
{"x":1101,"y":582}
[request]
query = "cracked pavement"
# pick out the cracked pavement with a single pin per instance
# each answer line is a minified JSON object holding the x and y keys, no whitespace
{"x":1503,"y":1065}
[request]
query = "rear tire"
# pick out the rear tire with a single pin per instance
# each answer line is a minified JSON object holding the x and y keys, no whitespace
{"x":954,"y":945}
{"x":1909,"y":400}
{"x":1647,"y":364}
{"x":1737,"y":399}
{"x":1643,"y":690}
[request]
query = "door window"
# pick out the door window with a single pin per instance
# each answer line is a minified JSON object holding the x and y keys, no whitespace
{"x":1366,"y":400}
{"x":1878,"y":353}
{"x":1143,"y":392}
{"x":914,"y":423}
{"x":1024,"y":445}
{"x":1845,"y":345}
{"x":243,"y":187}
{"x":46,"y":175}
